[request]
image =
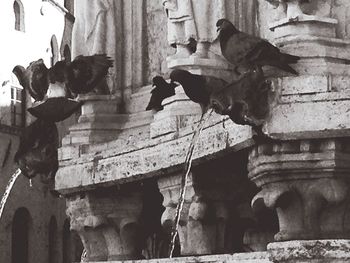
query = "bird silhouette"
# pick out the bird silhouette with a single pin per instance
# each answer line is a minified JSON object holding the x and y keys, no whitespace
{"x":37,"y":151}
{"x":244,"y":100}
{"x":55,"y":86}
{"x":247,"y":51}
{"x":84,"y":73}
{"x":197,"y":87}
{"x":34,"y":78}
{"x":161,"y":91}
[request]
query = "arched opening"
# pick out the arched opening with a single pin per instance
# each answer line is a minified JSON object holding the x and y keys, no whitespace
{"x":54,"y":50}
{"x":19,"y":15}
{"x":20,"y":236}
{"x":53,"y":253}
{"x":67,"y":54}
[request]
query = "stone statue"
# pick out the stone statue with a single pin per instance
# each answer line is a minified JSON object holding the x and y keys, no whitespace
{"x":193,"y":21}
{"x":95,"y":32}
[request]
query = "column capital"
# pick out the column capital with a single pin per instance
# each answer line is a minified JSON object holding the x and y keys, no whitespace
{"x":307,"y":182}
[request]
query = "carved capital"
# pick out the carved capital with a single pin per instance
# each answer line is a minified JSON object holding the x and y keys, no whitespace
{"x":107,"y":224}
{"x":203,"y":221}
{"x":307,"y":183}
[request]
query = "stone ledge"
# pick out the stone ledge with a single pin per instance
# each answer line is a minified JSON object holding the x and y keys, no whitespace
{"x":252,"y":257}
{"x":128,"y":162}
{"x":311,"y":251}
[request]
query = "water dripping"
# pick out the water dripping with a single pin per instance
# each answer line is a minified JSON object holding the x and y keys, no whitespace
{"x":188,"y":165}
{"x":8,"y":189}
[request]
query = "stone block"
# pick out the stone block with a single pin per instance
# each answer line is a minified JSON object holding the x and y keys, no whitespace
{"x":332,"y":251}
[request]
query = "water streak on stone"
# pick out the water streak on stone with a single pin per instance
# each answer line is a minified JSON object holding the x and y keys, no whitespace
{"x":8,"y":190}
{"x":188,"y":164}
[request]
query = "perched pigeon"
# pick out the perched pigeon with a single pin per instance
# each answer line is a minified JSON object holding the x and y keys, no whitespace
{"x":161,"y":91}
{"x":245,"y":100}
{"x":37,"y":151}
{"x":84,"y":73}
{"x":197,"y":87}
{"x":34,"y":78}
{"x":250,"y":51}
{"x":55,"y":86}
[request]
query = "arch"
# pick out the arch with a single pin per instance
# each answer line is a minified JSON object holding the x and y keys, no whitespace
{"x":20,"y":236}
{"x":54,"y":50}
{"x":18,"y":10}
{"x":66,"y":53}
{"x":53,"y":253}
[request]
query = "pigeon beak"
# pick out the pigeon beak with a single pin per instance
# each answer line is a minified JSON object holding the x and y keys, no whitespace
{"x":218,"y":29}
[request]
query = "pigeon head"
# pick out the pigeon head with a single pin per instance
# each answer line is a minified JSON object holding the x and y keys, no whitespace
{"x":56,"y":73}
{"x":158,"y":81}
{"x":225,"y":26}
{"x":179,"y":75}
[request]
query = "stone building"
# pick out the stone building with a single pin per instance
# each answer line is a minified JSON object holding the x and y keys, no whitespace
{"x":34,"y":226}
{"x":285,"y":200}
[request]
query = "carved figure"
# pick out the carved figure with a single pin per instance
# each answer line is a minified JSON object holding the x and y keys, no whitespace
{"x":95,"y":30}
{"x":191,"y":21}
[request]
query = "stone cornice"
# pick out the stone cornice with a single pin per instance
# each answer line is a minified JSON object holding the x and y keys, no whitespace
{"x":120,"y":162}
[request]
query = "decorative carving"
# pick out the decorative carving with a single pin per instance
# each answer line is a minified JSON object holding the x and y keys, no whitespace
{"x":190,"y":25}
{"x":308,"y":186}
{"x":295,"y":9}
{"x":107,"y":224}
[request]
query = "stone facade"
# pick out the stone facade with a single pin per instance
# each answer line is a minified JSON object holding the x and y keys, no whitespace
{"x":282,"y":200}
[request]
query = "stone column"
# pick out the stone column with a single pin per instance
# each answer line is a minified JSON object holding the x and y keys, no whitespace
{"x":211,"y":221}
{"x":107,"y":222}
{"x":202,"y":222}
{"x":307,"y":182}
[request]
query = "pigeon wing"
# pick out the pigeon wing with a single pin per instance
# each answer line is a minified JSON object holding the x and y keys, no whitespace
{"x":85,"y":72}
{"x":238,"y":46}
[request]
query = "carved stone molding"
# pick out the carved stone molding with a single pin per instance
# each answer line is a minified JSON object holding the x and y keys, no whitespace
{"x":333,"y":251}
{"x":307,"y":182}
{"x":107,"y":223}
{"x":303,"y":17}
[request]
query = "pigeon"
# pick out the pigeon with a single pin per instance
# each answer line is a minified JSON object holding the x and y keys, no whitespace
{"x":37,"y":151}
{"x":34,"y":78}
{"x":197,"y":87}
{"x":249,"y":51}
{"x":84,"y":73}
{"x":55,"y":87}
{"x":161,"y":91}
{"x":244,"y":100}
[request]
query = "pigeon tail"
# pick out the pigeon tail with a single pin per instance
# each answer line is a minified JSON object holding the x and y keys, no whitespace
{"x":287,"y":68}
{"x":289,"y":59}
